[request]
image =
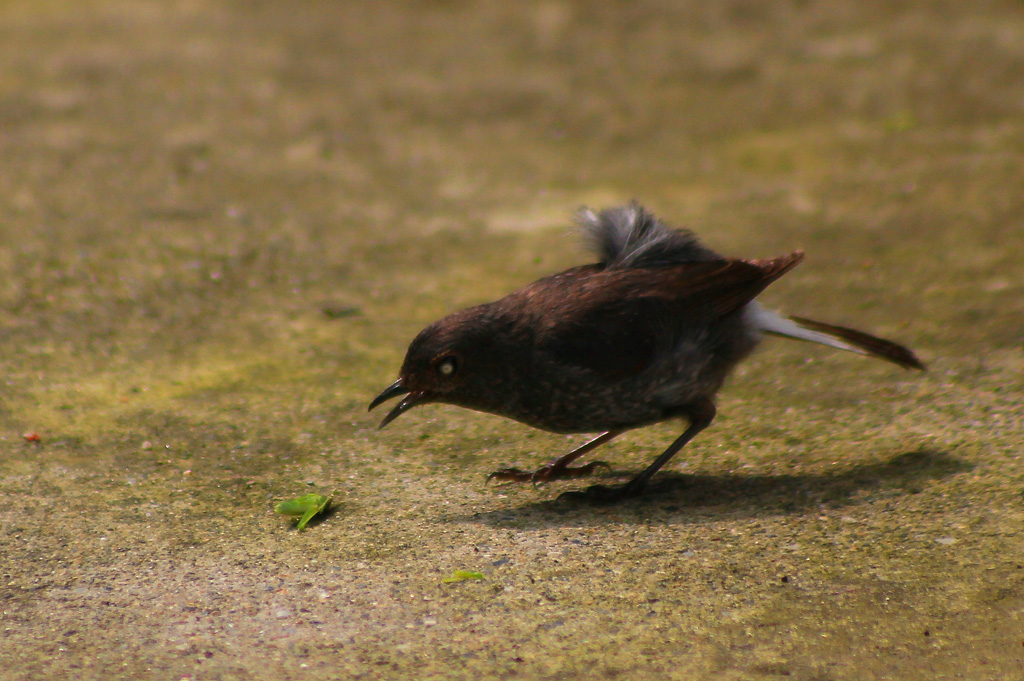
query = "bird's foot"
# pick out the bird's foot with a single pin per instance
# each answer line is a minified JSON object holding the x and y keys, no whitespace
{"x":552,"y":471}
{"x":601,"y":495}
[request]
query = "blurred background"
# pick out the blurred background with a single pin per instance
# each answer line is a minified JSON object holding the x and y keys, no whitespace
{"x":222,"y":222}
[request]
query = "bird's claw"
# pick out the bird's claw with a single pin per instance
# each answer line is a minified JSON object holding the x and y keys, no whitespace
{"x":510,"y":475}
{"x":551,"y":471}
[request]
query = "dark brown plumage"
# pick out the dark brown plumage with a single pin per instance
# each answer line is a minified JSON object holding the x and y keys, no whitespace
{"x":648,"y":333}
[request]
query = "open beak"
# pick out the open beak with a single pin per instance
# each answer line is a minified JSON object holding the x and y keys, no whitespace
{"x":394,"y":390}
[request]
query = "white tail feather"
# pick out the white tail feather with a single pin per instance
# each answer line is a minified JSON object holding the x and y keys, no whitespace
{"x":772,"y":322}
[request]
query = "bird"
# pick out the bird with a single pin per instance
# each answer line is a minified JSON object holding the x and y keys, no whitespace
{"x":648,"y":333}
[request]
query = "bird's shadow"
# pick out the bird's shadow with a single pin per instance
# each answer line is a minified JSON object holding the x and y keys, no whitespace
{"x":675,"y":497}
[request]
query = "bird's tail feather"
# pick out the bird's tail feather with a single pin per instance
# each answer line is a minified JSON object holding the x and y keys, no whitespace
{"x":834,"y":336}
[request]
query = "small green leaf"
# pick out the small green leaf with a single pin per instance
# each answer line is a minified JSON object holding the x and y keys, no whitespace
{"x":306,"y":506}
{"x":461,"y":576}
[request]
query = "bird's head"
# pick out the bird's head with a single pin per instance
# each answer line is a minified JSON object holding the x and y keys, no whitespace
{"x":455,"y":360}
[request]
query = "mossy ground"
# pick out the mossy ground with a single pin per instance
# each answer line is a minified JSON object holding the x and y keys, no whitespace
{"x":186,"y":187}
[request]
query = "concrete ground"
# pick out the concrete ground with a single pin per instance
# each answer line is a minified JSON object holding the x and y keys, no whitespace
{"x":222,"y":222}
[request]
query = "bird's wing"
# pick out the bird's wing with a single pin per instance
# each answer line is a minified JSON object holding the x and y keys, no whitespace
{"x":614,"y":322}
{"x":714,"y":289}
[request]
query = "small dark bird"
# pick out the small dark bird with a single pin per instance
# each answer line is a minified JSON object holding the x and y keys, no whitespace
{"x":648,"y":333}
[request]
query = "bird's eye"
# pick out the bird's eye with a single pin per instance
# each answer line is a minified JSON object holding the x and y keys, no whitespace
{"x":447,"y":366}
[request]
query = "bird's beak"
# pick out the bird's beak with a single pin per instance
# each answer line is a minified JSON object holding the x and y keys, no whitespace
{"x":394,"y":390}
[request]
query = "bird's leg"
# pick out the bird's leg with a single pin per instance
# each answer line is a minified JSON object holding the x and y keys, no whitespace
{"x":559,"y":468}
{"x":701,"y":414}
